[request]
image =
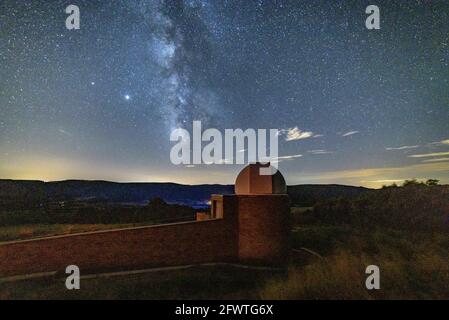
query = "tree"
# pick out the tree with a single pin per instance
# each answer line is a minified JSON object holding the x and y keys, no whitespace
{"x":393,"y":185}
{"x":411,"y":182}
{"x":157,"y":202}
{"x":432,"y":182}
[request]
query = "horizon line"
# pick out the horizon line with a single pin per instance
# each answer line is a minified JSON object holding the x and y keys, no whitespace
{"x":168,"y":182}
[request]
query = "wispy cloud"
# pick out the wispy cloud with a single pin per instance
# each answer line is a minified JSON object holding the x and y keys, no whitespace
{"x":435,"y":143}
{"x":375,"y":177}
{"x":282,"y":158}
{"x":436,"y":160}
{"x":429,"y":155}
{"x":320,"y":151}
{"x":290,"y":157}
{"x":349,"y":133}
{"x":295,"y":134}
{"x":65,"y":132}
{"x":385,"y":180}
{"x":439,"y":143}
{"x":402,"y":147}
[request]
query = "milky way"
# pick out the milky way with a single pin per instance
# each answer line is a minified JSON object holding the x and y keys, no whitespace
{"x":356,"y":106}
{"x":178,"y":47}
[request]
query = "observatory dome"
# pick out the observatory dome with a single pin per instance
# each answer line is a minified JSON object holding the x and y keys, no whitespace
{"x":250,"y":181}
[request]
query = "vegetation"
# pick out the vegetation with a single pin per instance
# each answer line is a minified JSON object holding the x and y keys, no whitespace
{"x":415,"y":182}
{"x":309,"y":194}
{"x":403,"y":230}
{"x":77,"y":212}
{"x":413,"y":207}
{"x":77,"y":216}
{"x":201,"y":282}
{"x":412,"y":266}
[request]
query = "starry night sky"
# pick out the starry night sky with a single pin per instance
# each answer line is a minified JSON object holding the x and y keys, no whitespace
{"x":354,"y":106}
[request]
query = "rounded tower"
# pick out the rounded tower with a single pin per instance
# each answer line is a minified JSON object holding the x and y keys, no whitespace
{"x":263,"y":214}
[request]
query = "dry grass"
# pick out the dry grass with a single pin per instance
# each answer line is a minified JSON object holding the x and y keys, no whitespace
{"x":422,"y":273}
{"x":340,"y":277}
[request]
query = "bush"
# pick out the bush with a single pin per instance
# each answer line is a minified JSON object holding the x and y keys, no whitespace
{"x":423,"y":275}
{"x":411,"y":208}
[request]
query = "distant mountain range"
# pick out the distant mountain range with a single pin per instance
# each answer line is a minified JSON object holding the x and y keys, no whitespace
{"x":140,"y":193}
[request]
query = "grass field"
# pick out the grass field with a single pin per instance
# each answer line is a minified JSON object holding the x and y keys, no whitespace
{"x":220,"y":282}
{"x":413,"y":266}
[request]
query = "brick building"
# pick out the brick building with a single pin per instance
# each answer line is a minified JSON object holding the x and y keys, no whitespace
{"x":250,"y":226}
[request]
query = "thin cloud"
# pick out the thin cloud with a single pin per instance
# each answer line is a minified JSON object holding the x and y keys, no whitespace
{"x":320,"y":151}
{"x":436,"y":160}
{"x":429,"y":155}
{"x":385,"y":180}
{"x":65,"y":132}
{"x":402,"y":147}
{"x":290,"y":157}
{"x":439,"y":143}
{"x":295,"y":134}
{"x":367,"y":176}
{"x":407,"y":171}
{"x":349,"y":133}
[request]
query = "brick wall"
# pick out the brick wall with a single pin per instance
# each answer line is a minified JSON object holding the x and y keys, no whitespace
{"x":264,"y":228}
{"x":163,"y":245}
{"x":253,"y":229}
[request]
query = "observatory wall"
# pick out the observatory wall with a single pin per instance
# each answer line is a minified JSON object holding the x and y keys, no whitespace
{"x":244,"y":228}
{"x":264,"y":228}
{"x":142,"y":247}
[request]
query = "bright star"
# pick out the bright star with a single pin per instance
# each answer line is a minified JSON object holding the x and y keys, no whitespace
{"x":127,"y":97}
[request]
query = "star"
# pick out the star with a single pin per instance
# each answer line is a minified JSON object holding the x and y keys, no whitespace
{"x":284,"y":66}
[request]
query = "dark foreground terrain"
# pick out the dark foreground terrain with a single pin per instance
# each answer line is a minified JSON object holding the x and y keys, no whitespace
{"x":403,"y":230}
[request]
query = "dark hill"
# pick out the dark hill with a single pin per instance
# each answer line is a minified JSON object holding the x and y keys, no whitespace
{"x":105,"y":191}
{"x":415,"y":207}
{"x":196,"y":195}
{"x":306,"y":195}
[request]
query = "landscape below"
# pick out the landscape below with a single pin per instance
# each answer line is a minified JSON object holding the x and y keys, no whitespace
{"x":34,"y":208}
{"x":337,"y":232}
